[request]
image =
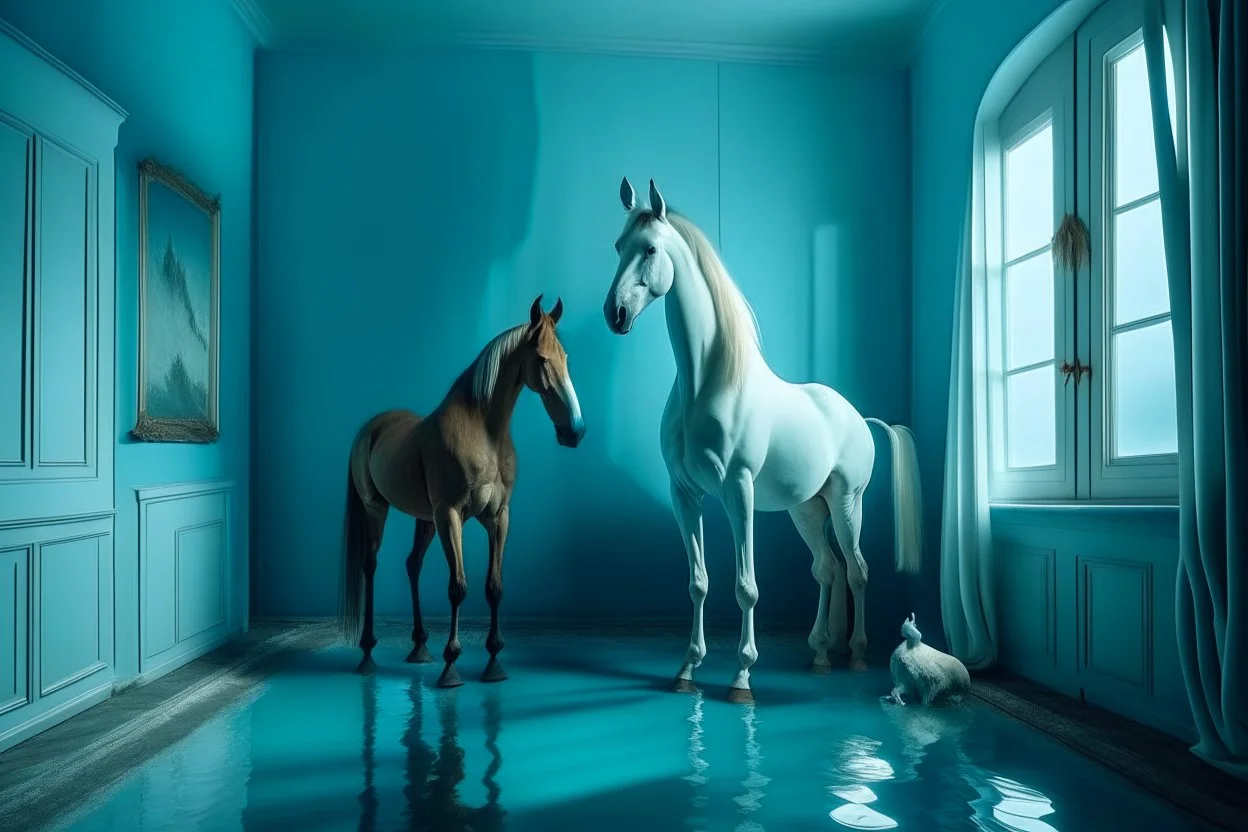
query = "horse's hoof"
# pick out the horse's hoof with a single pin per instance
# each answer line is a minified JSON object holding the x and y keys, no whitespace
{"x":741,"y":696}
{"x":450,"y":678}
{"x":858,"y":665}
{"x":684,"y":686}
{"x":366,"y":666}
{"x":494,"y":672}
{"x":821,"y":668}
{"x":419,"y":655}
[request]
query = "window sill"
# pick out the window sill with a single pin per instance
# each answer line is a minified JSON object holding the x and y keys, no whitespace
{"x":1094,"y":506}
{"x":1088,"y":516}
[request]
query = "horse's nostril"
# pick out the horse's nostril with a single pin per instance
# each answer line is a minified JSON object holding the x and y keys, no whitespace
{"x":620,"y":314}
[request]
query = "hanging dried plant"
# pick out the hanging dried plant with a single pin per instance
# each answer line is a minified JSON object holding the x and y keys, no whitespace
{"x":1072,"y":243}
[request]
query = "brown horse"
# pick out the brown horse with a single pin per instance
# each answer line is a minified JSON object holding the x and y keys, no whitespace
{"x":455,"y":464}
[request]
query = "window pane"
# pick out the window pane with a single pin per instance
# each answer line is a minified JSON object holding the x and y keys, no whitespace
{"x":1135,"y":158}
{"x":1140,"y":289}
{"x":1029,"y":194}
{"x":1144,"y":406}
{"x":1031,"y":418}
{"x":1029,"y":311}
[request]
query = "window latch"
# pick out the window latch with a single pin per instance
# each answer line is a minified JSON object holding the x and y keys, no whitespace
{"x":1078,"y":370}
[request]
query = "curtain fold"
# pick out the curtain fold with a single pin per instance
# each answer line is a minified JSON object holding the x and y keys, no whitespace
{"x":967,"y":601}
{"x":1203,"y":175}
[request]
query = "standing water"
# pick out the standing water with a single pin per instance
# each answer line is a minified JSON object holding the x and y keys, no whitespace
{"x":585,"y":736}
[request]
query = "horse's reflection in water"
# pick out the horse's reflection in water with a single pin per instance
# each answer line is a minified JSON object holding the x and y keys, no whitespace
{"x":431,"y":777}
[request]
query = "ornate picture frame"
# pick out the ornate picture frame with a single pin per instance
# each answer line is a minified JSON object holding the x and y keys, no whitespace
{"x":179,"y":308}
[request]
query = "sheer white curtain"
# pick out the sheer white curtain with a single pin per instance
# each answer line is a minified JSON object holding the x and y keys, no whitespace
{"x":967,"y":604}
{"x":1204,"y":198}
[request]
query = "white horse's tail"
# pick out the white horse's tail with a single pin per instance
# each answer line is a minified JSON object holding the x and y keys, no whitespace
{"x":907,"y":498}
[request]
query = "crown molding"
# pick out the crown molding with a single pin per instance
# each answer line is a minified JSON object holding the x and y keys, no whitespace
{"x":730,"y":53}
{"x":257,"y":21}
{"x":23,"y":40}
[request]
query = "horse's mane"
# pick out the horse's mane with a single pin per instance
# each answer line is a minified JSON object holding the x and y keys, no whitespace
{"x":734,"y":317}
{"x":484,"y":371}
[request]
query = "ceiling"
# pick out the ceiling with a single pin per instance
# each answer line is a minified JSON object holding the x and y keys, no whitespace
{"x":840,"y":31}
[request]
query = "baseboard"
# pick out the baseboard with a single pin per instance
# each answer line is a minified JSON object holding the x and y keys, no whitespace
{"x":180,"y":660}
{"x":66,"y":710}
{"x":1132,"y":709}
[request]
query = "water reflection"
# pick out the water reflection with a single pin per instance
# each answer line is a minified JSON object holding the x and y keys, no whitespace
{"x":751,"y":800}
{"x":696,"y":821}
{"x":855,"y":767}
{"x":431,"y":776}
{"x":1006,"y":804}
{"x":368,"y":799}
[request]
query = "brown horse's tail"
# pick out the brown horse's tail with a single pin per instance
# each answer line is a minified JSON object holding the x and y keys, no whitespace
{"x":356,"y":540}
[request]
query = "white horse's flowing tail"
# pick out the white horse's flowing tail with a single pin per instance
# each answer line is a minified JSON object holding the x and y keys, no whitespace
{"x":907,"y":498}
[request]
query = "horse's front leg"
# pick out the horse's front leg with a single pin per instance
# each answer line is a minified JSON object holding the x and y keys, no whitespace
{"x":496,"y":528}
{"x":450,"y":527}
{"x":687,"y":507}
{"x":738,"y":499}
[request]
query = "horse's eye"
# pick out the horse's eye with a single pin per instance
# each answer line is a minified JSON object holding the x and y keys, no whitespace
{"x":651,"y":251}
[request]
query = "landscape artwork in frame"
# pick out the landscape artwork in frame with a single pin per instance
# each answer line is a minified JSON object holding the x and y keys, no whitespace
{"x":179,"y":276}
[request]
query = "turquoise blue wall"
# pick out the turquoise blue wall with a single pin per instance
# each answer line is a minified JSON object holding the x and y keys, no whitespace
{"x":410,"y":206}
{"x":184,"y":72}
{"x":963,"y":46}
{"x":1085,"y":595}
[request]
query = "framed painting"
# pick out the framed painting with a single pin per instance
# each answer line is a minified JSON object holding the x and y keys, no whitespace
{"x":179,"y":315}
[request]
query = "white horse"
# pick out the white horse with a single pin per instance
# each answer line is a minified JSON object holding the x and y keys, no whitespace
{"x":734,"y":429}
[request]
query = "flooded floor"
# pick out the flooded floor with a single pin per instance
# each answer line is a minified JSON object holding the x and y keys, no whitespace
{"x":586,"y":735}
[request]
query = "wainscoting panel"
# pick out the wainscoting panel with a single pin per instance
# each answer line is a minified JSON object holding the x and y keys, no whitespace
{"x":15,"y":151}
{"x":1111,"y":593}
{"x":74,"y":612}
{"x":65,"y":307}
{"x":184,"y":568}
{"x":56,"y":622}
{"x":1117,"y":625}
{"x":1027,"y":600}
{"x":14,"y":632}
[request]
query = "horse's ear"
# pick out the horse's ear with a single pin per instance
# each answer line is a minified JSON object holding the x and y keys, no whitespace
{"x":627,"y":195}
{"x":557,"y":312}
{"x":535,"y":312}
{"x":657,"y":205}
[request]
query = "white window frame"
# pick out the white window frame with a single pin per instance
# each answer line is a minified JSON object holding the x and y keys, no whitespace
{"x":1046,"y":98}
{"x":1069,"y":90}
{"x":1113,"y":31}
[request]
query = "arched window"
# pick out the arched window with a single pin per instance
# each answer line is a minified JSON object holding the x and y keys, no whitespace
{"x":1081,"y":398}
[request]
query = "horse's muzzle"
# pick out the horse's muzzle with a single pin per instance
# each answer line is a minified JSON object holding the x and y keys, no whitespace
{"x":570,"y":436}
{"x":617,"y":318}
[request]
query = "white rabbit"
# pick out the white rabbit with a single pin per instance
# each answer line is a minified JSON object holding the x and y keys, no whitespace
{"x":919,"y":670}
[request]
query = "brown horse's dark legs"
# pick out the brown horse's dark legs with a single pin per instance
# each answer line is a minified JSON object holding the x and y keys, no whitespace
{"x":450,"y":529}
{"x":420,"y":545}
{"x":497,"y":530}
{"x":367,"y":639}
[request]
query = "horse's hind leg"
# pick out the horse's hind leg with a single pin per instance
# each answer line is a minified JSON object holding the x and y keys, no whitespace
{"x":810,"y":517}
{"x":846,"y":512}
{"x":368,"y":639}
{"x":415,"y":560}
